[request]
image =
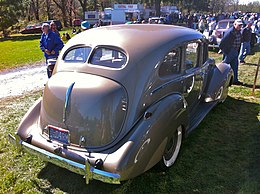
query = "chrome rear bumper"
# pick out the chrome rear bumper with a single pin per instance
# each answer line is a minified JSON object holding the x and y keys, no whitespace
{"x":87,"y":170}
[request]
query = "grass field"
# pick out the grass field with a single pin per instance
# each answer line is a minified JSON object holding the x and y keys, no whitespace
{"x":221,"y":156}
{"x":19,"y":50}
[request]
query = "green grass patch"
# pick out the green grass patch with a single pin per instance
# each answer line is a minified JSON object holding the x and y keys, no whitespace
{"x":19,"y":50}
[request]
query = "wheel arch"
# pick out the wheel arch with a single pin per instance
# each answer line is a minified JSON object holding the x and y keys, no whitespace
{"x":150,"y":135}
{"x":220,"y":75}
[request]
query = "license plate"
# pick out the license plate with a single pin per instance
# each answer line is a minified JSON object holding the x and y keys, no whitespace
{"x":59,"y":134}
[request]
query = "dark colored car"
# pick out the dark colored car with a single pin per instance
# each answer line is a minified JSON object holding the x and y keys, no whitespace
{"x":32,"y":29}
{"x":57,"y":22}
{"x":76,"y":22}
{"x":122,"y":98}
{"x":221,"y":27}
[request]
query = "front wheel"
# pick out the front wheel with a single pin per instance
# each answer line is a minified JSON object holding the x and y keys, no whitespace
{"x":172,"y":149}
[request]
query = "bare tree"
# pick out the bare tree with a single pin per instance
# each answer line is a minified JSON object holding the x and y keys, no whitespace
{"x":72,"y":10}
{"x":48,"y":9}
{"x":83,"y":4}
{"x":157,"y":7}
{"x":35,"y":8}
{"x":62,"y":5}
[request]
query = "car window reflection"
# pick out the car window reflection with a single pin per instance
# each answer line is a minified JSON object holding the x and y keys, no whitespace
{"x":77,"y":55}
{"x":170,"y":64}
{"x":192,"y":51}
{"x":108,"y":57}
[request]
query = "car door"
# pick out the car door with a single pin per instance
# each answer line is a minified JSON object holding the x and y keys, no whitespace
{"x":194,"y":73}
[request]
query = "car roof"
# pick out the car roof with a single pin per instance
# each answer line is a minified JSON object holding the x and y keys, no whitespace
{"x":136,"y":40}
{"x":227,"y":20}
{"x":144,"y":44}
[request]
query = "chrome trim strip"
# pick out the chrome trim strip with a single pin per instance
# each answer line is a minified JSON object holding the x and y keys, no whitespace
{"x":166,"y":84}
{"x":87,"y":170}
{"x":68,"y":94}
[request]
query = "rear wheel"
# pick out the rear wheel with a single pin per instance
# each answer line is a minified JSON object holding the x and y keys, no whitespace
{"x":172,"y":149}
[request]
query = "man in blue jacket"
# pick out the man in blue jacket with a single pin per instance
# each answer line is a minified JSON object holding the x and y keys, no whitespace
{"x":50,"y":44}
{"x":230,"y":46}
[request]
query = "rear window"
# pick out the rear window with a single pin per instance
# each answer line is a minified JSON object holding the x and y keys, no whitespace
{"x":108,"y":57}
{"x":77,"y":55}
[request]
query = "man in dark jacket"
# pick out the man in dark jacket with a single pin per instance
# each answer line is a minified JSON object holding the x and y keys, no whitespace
{"x":246,"y":39}
{"x":50,"y":44}
{"x":230,"y":46}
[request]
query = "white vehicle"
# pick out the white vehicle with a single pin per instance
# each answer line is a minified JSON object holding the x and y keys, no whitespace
{"x":113,"y":16}
{"x":92,"y":17}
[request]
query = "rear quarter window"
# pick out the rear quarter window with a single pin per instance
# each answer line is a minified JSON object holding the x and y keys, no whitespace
{"x":108,"y":57}
{"x":77,"y":55}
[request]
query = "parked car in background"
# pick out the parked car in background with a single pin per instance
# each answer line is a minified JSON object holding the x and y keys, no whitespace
{"x":122,"y":98}
{"x":32,"y":29}
{"x":57,"y":22}
{"x":157,"y":20}
{"x":76,"y":22}
{"x":221,"y":27}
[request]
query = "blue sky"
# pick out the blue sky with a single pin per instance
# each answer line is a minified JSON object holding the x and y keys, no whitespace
{"x":246,"y":1}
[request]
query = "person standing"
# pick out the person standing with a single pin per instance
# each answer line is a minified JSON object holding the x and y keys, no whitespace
{"x":257,"y":29}
{"x":201,"y":25}
{"x":230,"y":46}
{"x":246,"y":39}
{"x":54,"y":28}
{"x":212,"y":26}
{"x":50,"y":44}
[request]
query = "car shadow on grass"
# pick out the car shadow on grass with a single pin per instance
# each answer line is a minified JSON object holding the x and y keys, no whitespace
{"x":220,"y":156}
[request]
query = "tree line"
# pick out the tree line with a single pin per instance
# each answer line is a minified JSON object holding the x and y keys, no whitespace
{"x":12,"y":12}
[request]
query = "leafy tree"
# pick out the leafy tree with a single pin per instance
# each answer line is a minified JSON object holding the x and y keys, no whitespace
{"x":9,"y":14}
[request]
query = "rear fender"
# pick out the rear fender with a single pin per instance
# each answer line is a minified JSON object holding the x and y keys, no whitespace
{"x":150,"y":136}
{"x":220,"y":75}
{"x":29,"y":120}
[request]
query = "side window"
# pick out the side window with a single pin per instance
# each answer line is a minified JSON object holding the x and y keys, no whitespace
{"x":192,"y":55}
{"x":171,"y":63}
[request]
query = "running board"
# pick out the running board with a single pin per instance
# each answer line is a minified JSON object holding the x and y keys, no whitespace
{"x":201,"y":112}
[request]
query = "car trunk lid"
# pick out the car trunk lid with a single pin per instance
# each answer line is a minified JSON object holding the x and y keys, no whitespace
{"x":91,"y":108}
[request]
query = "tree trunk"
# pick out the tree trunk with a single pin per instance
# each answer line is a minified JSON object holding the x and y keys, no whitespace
{"x":157,"y":7}
{"x":48,"y":9}
{"x":70,"y":7}
{"x":62,"y":5}
{"x":83,"y":4}
{"x":35,"y":8}
{"x":95,"y":5}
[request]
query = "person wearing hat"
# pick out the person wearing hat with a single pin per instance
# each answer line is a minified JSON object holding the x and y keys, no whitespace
{"x":246,"y":39}
{"x":85,"y":25}
{"x":230,"y":46}
{"x":50,"y":44}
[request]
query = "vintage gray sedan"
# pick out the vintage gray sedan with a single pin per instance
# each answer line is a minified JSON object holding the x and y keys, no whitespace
{"x":122,"y":98}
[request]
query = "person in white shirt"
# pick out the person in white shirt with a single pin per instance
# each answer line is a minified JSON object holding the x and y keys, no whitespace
{"x":212,"y":26}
